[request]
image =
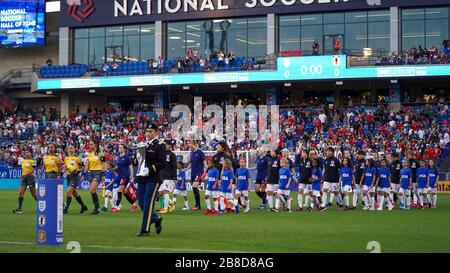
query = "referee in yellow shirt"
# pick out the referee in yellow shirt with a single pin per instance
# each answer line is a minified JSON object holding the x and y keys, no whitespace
{"x":28,"y":165}
{"x":95,"y":169}
{"x":51,"y":164}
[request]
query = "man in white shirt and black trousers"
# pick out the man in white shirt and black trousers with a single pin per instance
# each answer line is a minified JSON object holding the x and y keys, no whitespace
{"x":150,"y":163}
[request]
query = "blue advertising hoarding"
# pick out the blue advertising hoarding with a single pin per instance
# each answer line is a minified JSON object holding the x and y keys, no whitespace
{"x":288,"y":69}
{"x":22,"y":23}
{"x":49,"y":215}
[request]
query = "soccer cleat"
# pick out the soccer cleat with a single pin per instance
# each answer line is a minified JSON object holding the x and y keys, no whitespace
{"x":207,"y":212}
{"x":391,"y":207}
{"x":158,"y":225}
{"x":185,"y":208}
{"x":17,"y":211}
{"x":134,"y":208}
{"x":65,"y":210}
{"x":407,"y":208}
{"x":263,"y":206}
{"x":95,"y":211}
{"x":273,"y":210}
{"x":221,"y":212}
{"x":215,"y":213}
{"x":238,"y":209}
{"x":172,"y":207}
{"x":104,"y":209}
{"x":353,"y":208}
{"x":347,"y":208}
{"x":376,"y":204}
{"x":372,"y":208}
{"x":83,"y":210}
{"x":330,"y":204}
{"x":402,"y":206}
{"x":196,"y":208}
{"x":143,"y":234}
{"x":365,"y":208}
{"x":114,"y":209}
{"x":322,"y":208}
{"x":247,"y":210}
{"x":288,"y":210}
{"x":299,"y":209}
{"x":380,"y":208}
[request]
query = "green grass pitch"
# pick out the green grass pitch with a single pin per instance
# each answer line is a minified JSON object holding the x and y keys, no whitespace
{"x":258,"y":231}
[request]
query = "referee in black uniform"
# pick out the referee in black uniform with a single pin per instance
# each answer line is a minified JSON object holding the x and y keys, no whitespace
{"x":148,"y":180}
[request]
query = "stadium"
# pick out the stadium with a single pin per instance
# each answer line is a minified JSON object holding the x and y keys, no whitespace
{"x":361,"y":160}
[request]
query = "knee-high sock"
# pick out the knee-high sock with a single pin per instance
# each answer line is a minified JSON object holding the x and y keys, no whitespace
{"x":429,"y":199}
{"x":106,"y":202}
{"x":95,"y":200}
{"x":166,"y":200}
{"x":338,"y":198}
{"x":434,"y":199}
{"x":247,"y":204}
{"x":300,"y":200}
{"x":415,"y":199}
{"x":307,"y":200}
{"x":289,"y":201}
{"x":129,"y":199}
{"x":80,"y":201}
{"x":324,"y":198}
{"x":346,"y":200}
{"x":421,"y":200}
{"x":197,"y":196}
{"x":68,"y":201}
{"x":391,"y":196}
{"x":408,"y":200}
{"x":388,"y":200}
{"x":282,"y":199}
{"x":381,"y":199}
{"x":20,"y":201}
{"x":222,"y":203}
{"x":216,"y":205}
{"x":259,"y":194}
{"x":402,"y":199}
{"x":111,"y":201}
{"x":366,"y":200}
{"x":270,"y":200}
{"x":208,"y":204}
{"x":372,"y":201}
{"x":277,"y":203}
{"x":264,"y":195}
{"x":243,"y":201}
{"x":355,"y":198}
{"x":174,"y":200}
{"x":332,"y":196}
{"x":119,"y":198}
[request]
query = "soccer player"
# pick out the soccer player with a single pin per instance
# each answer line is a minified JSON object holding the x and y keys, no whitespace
{"x":180,"y":188}
{"x":316,"y":181}
{"x":125,"y":175}
{"x":360,"y":166}
{"x":72,"y":165}
{"x":226,"y":183}
{"x":331,"y":179}
{"x":51,"y":164}
{"x":347,"y":179}
{"x":212,"y":189}
{"x":28,"y":165}
{"x":261,"y":174}
{"x":272,"y":177}
{"x":168,"y":176}
{"x":404,"y":192}
{"x":395,"y":167}
{"x":108,"y":185}
{"x":433,"y":179}
{"x":283,"y":192}
{"x":383,"y":184}
{"x":94,"y":165}
{"x":368,"y":181}
{"x":197,"y":170}
{"x":243,"y":184}
{"x":304,"y":186}
{"x":422,"y":182}
{"x":413,"y":165}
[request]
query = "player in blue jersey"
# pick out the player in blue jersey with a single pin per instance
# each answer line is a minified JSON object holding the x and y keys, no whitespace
{"x":316,"y":181}
{"x":262,"y":162}
{"x":243,"y":185}
{"x":180,"y":188}
{"x":433,"y":181}
{"x":422,"y":182}
{"x":125,"y":174}
{"x":212,"y":189}
{"x":108,"y":186}
{"x":347,"y":180}
{"x":368,"y":182}
{"x":383,"y":185}
{"x":226,"y":183}
{"x":406,"y":177}
{"x":283,"y":192}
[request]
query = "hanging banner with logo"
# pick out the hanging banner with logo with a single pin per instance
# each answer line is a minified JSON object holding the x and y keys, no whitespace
{"x":49,"y":226}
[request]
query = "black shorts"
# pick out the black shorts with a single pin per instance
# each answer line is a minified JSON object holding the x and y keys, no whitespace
{"x":73,"y":180}
{"x":28,"y":181}
{"x":51,"y":175}
{"x":96,"y":175}
{"x":260,"y":180}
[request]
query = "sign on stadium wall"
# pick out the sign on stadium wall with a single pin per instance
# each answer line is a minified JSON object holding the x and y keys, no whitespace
{"x":444,"y":187}
{"x":83,"y":13}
